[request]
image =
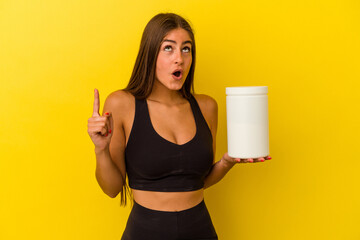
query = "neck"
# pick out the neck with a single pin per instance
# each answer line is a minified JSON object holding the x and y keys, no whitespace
{"x":164,"y":95}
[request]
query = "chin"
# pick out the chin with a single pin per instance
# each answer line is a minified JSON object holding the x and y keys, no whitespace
{"x":175,"y":87}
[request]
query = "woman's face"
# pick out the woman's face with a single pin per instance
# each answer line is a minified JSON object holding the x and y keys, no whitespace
{"x":174,"y":59}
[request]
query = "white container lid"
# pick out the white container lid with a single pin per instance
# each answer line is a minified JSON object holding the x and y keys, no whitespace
{"x":251,"y":90}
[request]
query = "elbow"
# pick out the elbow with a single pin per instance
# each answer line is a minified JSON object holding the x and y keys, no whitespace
{"x":112,"y":194}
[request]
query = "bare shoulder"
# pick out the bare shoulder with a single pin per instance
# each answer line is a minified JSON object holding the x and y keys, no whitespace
{"x":118,"y":101}
{"x":207,"y":104}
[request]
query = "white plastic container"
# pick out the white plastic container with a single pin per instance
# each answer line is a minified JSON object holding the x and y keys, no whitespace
{"x":247,"y":122}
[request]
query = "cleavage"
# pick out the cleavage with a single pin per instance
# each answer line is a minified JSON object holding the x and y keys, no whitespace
{"x":175,"y":124}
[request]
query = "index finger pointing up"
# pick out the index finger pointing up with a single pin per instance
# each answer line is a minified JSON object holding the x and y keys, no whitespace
{"x":96,"y":103}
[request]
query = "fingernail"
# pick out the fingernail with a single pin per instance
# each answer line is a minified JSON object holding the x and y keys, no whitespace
{"x":238,"y":160}
{"x":251,"y":160}
{"x":268,"y":158}
{"x":262,"y":160}
{"x":106,"y":113}
{"x":106,"y":135}
{"x":110,"y":131}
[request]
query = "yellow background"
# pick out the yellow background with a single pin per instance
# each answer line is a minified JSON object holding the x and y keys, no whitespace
{"x":54,"y":53}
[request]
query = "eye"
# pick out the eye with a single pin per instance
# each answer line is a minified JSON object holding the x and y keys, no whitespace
{"x":168,"y":48}
{"x":186,"y":49}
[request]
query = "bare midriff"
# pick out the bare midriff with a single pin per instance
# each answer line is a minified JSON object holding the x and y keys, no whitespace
{"x":168,"y":201}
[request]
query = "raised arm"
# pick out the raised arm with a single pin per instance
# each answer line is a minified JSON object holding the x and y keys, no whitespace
{"x":107,"y":134}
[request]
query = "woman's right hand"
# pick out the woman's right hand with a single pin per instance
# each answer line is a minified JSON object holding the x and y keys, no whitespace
{"x":100,"y":128}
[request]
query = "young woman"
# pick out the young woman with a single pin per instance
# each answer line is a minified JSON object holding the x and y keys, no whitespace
{"x":162,"y":136}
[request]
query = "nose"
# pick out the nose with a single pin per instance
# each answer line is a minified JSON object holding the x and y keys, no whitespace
{"x":178,"y":57}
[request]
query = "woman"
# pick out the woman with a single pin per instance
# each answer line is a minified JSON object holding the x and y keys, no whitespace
{"x":162,"y":137}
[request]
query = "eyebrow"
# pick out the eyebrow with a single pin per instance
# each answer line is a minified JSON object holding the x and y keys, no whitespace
{"x":168,"y":40}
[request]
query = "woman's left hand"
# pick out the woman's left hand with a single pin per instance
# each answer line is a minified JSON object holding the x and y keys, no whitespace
{"x":231,"y":160}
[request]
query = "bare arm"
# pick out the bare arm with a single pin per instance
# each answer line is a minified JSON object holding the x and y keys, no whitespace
{"x":220,"y":168}
{"x":107,"y":173}
{"x":108,"y":136}
{"x":218,"y":171}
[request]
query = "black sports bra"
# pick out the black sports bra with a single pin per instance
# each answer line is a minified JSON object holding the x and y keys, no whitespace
{"x":156,"y":164}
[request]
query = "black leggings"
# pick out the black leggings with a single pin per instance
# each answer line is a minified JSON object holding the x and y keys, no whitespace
{"x":147,"y":224}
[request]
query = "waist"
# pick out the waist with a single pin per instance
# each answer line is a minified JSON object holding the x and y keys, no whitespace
{"x":168,"y":201}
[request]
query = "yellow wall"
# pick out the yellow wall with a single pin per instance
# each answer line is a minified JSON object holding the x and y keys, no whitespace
{"x":54,"y":53}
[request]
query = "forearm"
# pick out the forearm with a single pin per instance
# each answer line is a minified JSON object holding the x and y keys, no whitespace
{"x":218,"y":171}
{"x":107,"y":173}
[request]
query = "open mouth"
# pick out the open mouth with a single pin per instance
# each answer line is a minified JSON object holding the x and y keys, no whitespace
{"x":177,"y":74}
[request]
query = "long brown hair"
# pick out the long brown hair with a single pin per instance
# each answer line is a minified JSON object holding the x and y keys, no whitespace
{"x":144,"y":72}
